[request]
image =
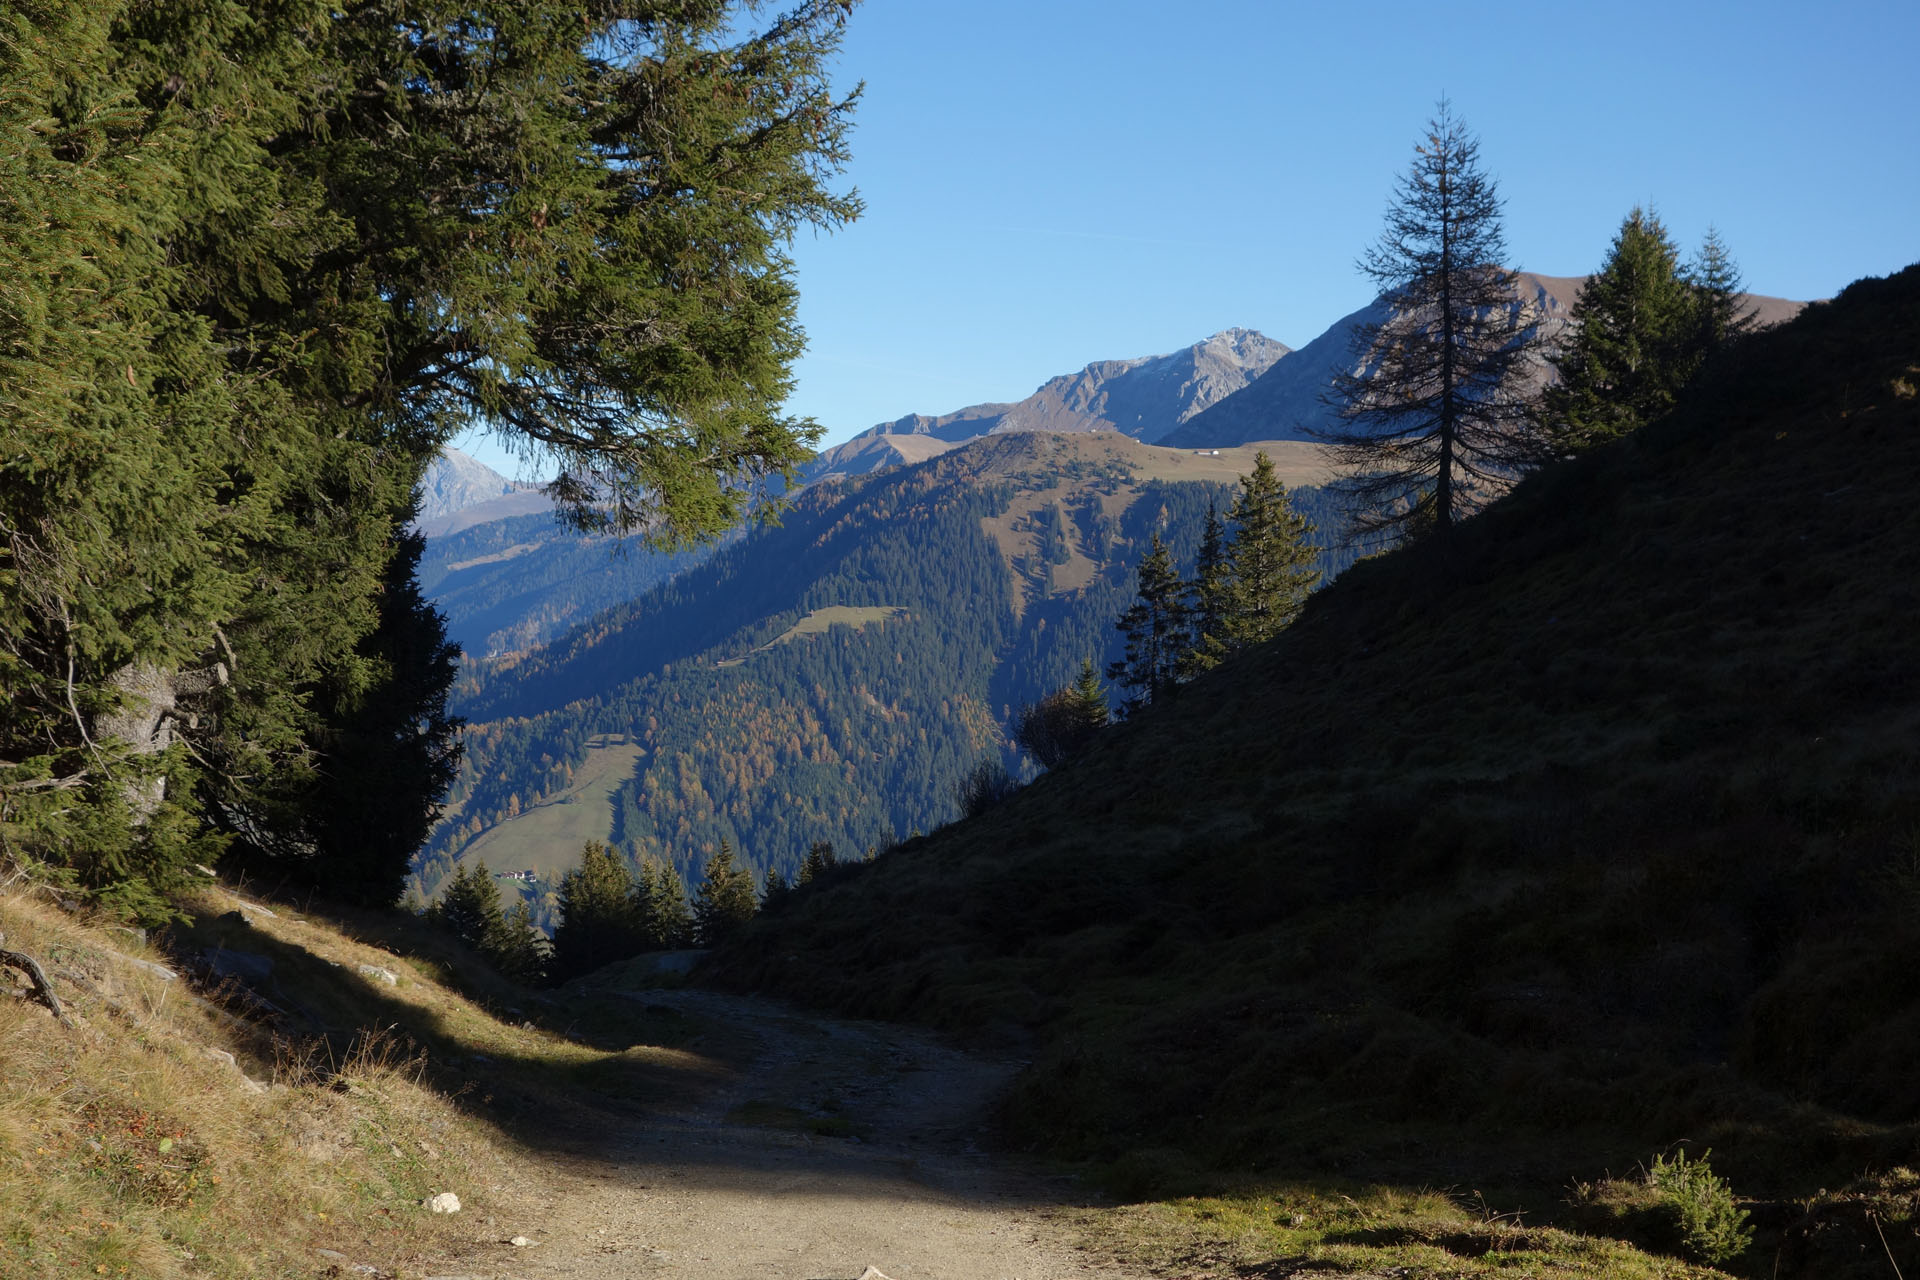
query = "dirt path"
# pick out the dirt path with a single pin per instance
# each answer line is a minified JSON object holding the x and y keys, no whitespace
{"x":834,"y":1146}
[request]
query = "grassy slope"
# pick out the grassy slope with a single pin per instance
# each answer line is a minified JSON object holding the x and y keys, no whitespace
{"x":129,"y":1146}
{"x":546,"y":838}
{"x":1501,"y":871}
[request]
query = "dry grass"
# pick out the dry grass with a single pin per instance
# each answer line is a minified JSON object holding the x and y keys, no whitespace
{"x":174,"y":1132}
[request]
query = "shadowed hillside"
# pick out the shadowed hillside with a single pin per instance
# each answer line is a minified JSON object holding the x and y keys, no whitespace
{"x":1506,"y":868}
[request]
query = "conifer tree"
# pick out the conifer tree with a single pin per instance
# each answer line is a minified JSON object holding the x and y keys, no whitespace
{"x":774,"y":890}
{"x":596,"y":924}
{"x":661,"y":918}
{"x":1630,"y":351}
{"x":819,"y":860}
{"x":469,"y":908}
{"x":1268,"y":569}
{"x":1061,"y":724}
{"x":1089,"y":698}
{"x":1436,"y":415}
{"x":517,"y":949}
{"x":1721,"y":311}
{"x":1208,"y":593}
{"x":1155,"y":630}
{"x":724,"y":902}
{"x":258,"y":263}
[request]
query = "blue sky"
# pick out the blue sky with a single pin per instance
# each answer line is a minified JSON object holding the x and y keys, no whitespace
{"x":1054,"y":182}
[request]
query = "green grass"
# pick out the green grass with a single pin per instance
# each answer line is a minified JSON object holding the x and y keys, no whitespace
{"x":1508,"y":867}
{"x":819,"y":621}
{"x":546,"y":839}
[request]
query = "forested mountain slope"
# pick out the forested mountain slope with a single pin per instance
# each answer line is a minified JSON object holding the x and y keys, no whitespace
{"x":1507,"y":865}
{"x":507,"y":585}
{"x":834,"y":677}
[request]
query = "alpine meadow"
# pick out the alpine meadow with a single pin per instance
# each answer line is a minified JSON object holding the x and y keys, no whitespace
{"x":500,"y":779}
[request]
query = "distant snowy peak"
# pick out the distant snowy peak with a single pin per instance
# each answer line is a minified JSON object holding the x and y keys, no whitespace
{"x":1146,"y":398}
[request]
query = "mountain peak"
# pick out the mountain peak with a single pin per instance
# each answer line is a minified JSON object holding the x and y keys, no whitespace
{"x":1147,"y":398}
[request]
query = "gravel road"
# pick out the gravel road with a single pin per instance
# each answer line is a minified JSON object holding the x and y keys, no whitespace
{"x":829,"y":1147}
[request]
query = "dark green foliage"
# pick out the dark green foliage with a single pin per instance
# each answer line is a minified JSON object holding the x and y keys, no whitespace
{"x":1720,"y":309}
{"x":1644,"y":327}
{"x":774,"y":890}
{"x":659,"y":901}
{"x":1266,"y":572}
{"x":819,"y":861}
{"x":1208,"y":598}
{"x":724,"y":902}
{"x":597,"y":925}
{"x":259,"y":262}
{"x":1155,"y":631}
{"x":387,"y":753}
{"x":1631,"y":349}
{"x":469,"y":908}
{"x":1710,"y":1226}
{"x":1436,"y":418}
{"x":517,"y":948}
{"x":1061,"y":724}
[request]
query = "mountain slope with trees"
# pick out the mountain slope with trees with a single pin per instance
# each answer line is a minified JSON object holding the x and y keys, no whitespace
{"x":1503,"y":867}
{"x":836,"y":677}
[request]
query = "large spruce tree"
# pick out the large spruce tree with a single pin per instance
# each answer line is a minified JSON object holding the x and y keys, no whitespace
{"x":1436,"y":415}
{"x":1268,"y":562}
{"x":597,"y":925}
{"x":725,"y":900}
{"x":1629,"y":352}
{"x":1721,"y":311}
{"x":258,"y":262}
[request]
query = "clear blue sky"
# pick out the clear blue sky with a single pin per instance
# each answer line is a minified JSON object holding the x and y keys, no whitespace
{"x":1052,"y":182}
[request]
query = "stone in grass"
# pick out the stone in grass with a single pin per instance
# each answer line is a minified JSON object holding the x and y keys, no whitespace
{"x":378,"y":974}
{"x":445,"y":1202}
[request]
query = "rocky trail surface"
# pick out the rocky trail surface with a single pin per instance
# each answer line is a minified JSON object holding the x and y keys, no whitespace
{"x":820,"y":1149}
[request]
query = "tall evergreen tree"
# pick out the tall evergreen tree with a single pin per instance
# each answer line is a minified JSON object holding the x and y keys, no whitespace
{"x":1155,"y":630}
{"x":1208,"y":597}
{"x":596,"y":924}
{"x":1436,"y":417}
{"x":259,"y":262}
{"x":819,"y":860}
{"x":469,"y":907}
{"x":725,"y":901}
{"x":516,"y":948}
{"x":1268,"y":565}
{"x":1630,"y":349}
{"x":1721,"y":311}
{"x":659,"y":901}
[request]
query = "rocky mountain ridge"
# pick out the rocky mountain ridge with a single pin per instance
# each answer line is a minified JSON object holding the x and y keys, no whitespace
{"x":1146,"y":398}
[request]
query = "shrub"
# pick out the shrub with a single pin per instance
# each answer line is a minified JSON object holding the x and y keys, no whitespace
{"x":985,"y":787}
{"x":1711,"y":1228}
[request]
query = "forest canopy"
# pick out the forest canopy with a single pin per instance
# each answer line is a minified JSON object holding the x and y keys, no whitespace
{"x":258,"y":262}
